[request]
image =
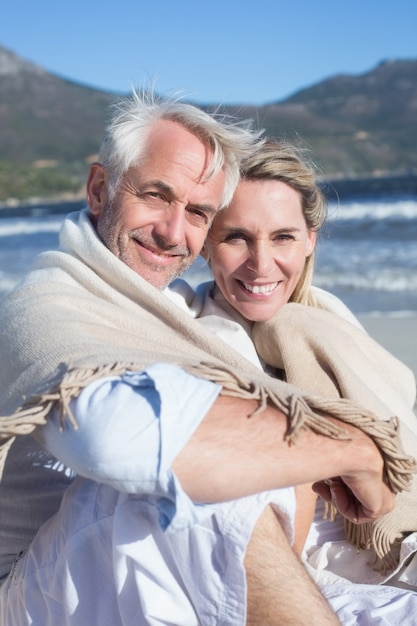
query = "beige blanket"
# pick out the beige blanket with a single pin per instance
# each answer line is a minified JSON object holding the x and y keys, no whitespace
{"x":339,"y":360}
{"x":82,"y":313}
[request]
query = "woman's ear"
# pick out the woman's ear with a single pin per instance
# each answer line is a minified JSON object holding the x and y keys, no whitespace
{"x":97,"y":190}
{"x":311,"y":242}
{"x":204,"y":253}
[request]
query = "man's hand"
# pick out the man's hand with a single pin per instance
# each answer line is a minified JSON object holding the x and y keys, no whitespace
{"x":360,"y":498}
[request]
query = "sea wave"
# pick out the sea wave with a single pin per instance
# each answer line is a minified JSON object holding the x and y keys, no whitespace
{"x":367,"y":255}
{"x":7,"y":283}
{"x":404,"y":209}
{"x":387,"y":280}
{"x":30,"y":226}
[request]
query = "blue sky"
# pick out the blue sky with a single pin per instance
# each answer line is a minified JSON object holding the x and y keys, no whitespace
{"x":218,"y":51}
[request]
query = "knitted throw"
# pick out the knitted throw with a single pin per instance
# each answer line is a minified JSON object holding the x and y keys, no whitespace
{"x":82,"y":314}
{"x":339,"y":360}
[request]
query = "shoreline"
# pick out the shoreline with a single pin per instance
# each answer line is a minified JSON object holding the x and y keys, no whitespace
{"x":38,"y":207}
{"x":360,"y":187}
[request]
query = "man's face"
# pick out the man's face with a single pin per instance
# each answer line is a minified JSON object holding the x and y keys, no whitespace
{"x":160,"y":215}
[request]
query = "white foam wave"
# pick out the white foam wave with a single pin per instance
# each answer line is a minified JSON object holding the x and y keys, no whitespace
{"x":392,"y":314}
{"x":385,"y":280}
{"x":29,"y":227}
{"x":7,"y":283}
{"x":376,"y":210}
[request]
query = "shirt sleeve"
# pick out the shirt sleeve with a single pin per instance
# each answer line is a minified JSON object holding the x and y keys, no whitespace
{"x":130,"y":429}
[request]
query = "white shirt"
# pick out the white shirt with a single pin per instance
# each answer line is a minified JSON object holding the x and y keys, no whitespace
{"x":132,"y":531}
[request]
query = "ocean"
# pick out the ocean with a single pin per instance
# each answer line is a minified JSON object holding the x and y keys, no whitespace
{"x":366,"y":255}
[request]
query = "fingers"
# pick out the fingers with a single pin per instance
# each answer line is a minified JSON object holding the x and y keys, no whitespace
{"x":369,"y":505}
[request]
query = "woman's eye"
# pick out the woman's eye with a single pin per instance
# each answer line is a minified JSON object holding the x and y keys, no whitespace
{"x":235,"y":237}
{"x":285,"y":237}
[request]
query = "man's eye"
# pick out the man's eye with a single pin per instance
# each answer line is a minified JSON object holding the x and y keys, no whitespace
{"x":156,"y":194}
{"x":198,"y":215}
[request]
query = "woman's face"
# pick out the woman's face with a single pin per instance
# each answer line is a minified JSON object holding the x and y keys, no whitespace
{"x":257,"y":247}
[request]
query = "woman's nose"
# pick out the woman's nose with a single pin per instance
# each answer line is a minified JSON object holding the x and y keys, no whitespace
{"x":261,"y":260}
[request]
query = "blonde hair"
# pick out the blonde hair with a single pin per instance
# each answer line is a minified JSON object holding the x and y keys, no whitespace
{"x":279,"y":160}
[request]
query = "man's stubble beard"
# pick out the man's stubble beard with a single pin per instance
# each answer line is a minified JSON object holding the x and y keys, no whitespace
{"x":112,"y":241}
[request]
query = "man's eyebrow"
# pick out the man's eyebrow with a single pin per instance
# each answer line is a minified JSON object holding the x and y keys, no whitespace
{"x":160,"y":185}
{"x":164,"y":187}
{"x":205,"y":208}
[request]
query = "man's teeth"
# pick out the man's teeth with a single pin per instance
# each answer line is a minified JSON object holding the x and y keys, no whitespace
{"x":259,"y":288}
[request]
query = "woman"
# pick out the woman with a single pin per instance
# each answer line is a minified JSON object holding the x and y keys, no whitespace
{"x":261,"y":253}
{"x":261,"y":250}
{"x":261,"y":247}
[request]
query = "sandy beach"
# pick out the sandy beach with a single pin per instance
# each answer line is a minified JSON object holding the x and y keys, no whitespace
{"x":398,"y":334}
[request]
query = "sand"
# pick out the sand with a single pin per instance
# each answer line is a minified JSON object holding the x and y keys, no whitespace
{"x":397,"y":334}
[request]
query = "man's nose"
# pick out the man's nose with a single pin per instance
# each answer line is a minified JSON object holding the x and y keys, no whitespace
{"x":171,"y":226}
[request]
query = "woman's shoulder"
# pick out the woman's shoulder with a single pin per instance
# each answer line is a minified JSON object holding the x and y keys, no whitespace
{"x":328,"y":301}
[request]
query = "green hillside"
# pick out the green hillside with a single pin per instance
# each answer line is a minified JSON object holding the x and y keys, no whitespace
{"x":355,"y":126}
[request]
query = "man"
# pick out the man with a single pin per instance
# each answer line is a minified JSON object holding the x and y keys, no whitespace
{"x":159,"y":412}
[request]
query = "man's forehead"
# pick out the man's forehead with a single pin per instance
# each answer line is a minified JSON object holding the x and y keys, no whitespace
{"x":170,"y":150}
{"x":168,"y":133}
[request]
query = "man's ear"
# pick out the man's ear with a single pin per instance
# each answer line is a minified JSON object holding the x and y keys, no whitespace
{"x":97,"y":190}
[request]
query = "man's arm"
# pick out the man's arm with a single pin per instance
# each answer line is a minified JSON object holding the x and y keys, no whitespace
{"x":142,"y":432}
{"x":232,"y":455}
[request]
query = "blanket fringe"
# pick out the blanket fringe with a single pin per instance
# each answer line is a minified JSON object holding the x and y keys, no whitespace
{"x":385,"y":546}
{"x":310,"y":411}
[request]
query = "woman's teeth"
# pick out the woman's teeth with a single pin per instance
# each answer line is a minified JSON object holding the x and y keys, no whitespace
{"x":259,"y":288}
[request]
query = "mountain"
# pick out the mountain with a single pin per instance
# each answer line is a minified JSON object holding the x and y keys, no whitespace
{"x":358,"y":124}
{"x":355,"y":126}
{"x":43,"y":116}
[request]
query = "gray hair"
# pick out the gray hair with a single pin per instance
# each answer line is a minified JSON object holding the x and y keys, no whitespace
{"x":125,"y":136}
